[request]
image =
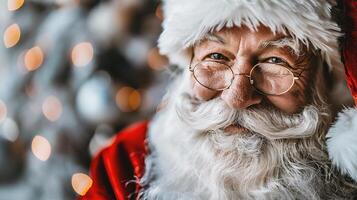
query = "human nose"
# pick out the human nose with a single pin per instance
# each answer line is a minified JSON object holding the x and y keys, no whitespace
{"x":241,"y":94}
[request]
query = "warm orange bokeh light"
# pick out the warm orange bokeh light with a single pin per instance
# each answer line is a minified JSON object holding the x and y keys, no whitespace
{"x":3,"y":111}
{"x":41,"y":148}
{"x":33,"y":58}
{"x":134,"y":100}
{"x":159,"y":13}
{"x":81,"y":183}
{"x":82,"y":54}
{"x":13,"y":5}
{"x":12,"y":35}
{"x":128,"y":99}
{"x":52,"y":108}
{"x":155,"y":60}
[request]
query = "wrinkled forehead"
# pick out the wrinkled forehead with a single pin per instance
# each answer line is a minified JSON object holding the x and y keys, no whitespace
{"x":260,"y":31}
{"x":260,"y":38}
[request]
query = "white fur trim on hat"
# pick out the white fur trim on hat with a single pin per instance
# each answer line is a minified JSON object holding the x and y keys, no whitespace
{"x":342,"y":142}
{"x":309,"y":21}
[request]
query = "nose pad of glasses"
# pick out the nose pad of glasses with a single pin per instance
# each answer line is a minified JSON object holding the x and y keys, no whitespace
{"x":241,"y":94}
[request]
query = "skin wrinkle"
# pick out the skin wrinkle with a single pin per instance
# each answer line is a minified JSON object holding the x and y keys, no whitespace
{"x":243,"y":49}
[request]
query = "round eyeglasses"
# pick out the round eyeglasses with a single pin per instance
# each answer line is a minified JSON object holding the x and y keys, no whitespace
{"x":266,"y":78}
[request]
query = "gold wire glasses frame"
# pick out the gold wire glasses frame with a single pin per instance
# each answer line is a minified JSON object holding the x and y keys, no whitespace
{"x":264,"y":77}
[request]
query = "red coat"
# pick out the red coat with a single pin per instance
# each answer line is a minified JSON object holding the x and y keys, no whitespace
{"x":117,"y":164}
{"x":350,"y":47}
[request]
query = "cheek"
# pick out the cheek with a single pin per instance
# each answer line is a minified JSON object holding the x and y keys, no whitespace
{"x":201,"y":92}
{"x":293,"y":101}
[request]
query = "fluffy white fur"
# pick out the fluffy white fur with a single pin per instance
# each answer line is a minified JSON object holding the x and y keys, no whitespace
{"x":309,"y":21}
{"x":342,"y":142}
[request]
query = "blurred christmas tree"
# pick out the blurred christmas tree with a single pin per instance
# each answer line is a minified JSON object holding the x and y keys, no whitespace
{"x":72,"y":73}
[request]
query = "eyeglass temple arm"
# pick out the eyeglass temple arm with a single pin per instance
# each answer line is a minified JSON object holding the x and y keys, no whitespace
{"x":298,"y":76}
{"x":190,"y":66}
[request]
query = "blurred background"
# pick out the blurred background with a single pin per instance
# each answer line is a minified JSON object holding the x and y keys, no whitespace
{"x":72,"y":74}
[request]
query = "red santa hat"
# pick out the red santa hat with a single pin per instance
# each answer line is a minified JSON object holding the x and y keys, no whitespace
{"x":307,"y":21}
{"x":342,"y":137}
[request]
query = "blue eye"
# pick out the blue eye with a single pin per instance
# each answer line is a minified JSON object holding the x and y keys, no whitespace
{"x":275,"y":60}
{"x":217,"y":56}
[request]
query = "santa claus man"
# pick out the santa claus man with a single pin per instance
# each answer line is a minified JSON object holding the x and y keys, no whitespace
{"x":248,"y":115}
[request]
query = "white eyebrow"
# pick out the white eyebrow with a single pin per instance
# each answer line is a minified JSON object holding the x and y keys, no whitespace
{"x":214,"y":38}
{"x":277,"y":43}
{"x":283,"y":42}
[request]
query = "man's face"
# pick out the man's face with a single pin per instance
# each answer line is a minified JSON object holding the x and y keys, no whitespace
{"x":249,"y":140}
{"x":242,"y":50}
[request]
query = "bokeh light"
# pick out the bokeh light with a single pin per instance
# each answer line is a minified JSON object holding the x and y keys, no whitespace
{"x":155,"y":60}
{"x":9,"y":130}
{"x":159,"y":13}
{"x":33,"y":58}
{"x":52,"y":108}
{"x":128,"y":99}
{"x":13,"y":5}
{"x":12,"y":35}
{"x":3,"y":111}
{"x":134,"y":100}
{"x":81,"y":183}
{"x":41,"y":148}
{"x":82,"y":54}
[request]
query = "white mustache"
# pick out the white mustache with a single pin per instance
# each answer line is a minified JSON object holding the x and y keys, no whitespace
{"x":268,"y":122}
{"x":276,"y":125}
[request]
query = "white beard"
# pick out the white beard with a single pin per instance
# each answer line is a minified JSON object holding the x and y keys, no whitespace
{"x":282,"y":156}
